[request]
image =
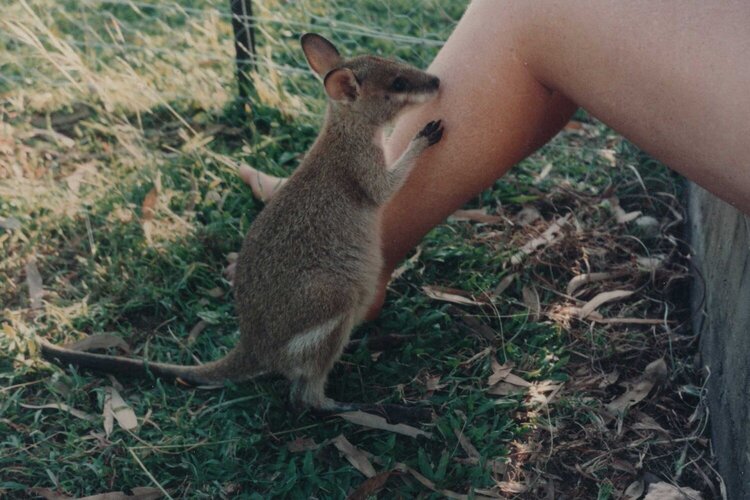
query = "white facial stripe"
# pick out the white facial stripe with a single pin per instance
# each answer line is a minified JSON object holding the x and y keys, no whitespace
{"x":421,"y":97}
{"x":400,"y":97}
{"x":413,"y":97}
{"x":312,"y":338}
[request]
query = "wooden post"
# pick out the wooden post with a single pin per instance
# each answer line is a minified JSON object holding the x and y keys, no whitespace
{"x":244,"y":43}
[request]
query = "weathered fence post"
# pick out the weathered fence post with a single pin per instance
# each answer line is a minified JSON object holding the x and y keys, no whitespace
{"x":243,"y":25}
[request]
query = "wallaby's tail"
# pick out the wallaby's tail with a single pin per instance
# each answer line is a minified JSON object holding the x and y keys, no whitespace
{"x":232,"y":367}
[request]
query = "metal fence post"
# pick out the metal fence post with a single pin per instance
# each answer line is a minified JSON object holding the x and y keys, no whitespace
{"x":243,"y":25}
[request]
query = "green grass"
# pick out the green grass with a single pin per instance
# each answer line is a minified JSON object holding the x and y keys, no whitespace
{"x":101,"y":274}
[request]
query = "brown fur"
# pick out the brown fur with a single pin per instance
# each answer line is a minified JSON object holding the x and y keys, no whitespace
{"x":309,"y":265}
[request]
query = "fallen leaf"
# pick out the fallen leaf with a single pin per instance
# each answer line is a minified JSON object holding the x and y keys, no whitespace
{"x":648,"y":225}
{"x":647,"y":423}
{"x":452,"y":295}
{"x":432,"y":384}
{"x":602,"y":299}
{"x":476,"y":215}
{"x":196,"y":330}
{"x":370,"y":486}
{"x":499,"y":372}
{"x":548,"y":236}
{"x":618,"y":464}
{"x":609,"y":379}
{"x":377,"y":422}
{"x":598,"y":318}
{"x":583,"y":279}
{"x":513,"y":487}
{"x":516,"y":380}
{"x":123,"y":413}
{"x":504,"y":284}
{"x":488,"y":493}
{"x":145,"y":493}
{"x":430,"y":485}
{"x":542,"y":393}
{"x":505,"y":389}
{"x":621,"y":216}
{"x":63,"y":407}
{"x":502,"y":373}
{"x":531,"y":301}
{"x":139,"y":493}
{"x":666,"y":491}
{"x":650,"y":264}
{"x":635,"y":490}
{"x":528,"y":215}
{"x":471,"y":324}
{"x":466,"y":445}
{"x":108,"y":416}
{"x":34,"y":282}
{"x":100,"y":341}
{"x":633,"y":321}
{"x":49,"y":494}
{"x":655,"y":373}
{"x":599,"y":380}
{"x":408,"y":264}
{"x":300,"y":445}
{"x":355,"y":456}
{"x":656,"y":370}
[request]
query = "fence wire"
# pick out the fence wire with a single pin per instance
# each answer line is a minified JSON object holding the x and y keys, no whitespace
{"x":132,"y":55}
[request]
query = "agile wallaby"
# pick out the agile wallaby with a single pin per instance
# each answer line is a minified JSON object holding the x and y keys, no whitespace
{"x":309,"y":264}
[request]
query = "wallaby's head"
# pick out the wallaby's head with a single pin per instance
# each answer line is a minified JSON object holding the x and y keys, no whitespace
{"x":372,"y":86}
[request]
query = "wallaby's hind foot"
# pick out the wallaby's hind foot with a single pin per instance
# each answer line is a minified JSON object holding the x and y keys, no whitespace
{"x":310,"y":394}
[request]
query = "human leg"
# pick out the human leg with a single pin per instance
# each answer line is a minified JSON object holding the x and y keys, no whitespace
{"x":262,"y":184}
{"x":672,"y":76}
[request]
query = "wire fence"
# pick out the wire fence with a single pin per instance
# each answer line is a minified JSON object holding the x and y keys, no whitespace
{"x":133,"y":55}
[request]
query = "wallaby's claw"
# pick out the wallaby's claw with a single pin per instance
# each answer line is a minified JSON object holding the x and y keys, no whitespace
{"x":433,"y":131}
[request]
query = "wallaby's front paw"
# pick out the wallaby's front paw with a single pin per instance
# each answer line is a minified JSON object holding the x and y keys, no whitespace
{"x":433,"y":132}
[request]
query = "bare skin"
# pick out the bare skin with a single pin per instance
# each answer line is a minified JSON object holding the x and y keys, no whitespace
{"x":672,"y":76}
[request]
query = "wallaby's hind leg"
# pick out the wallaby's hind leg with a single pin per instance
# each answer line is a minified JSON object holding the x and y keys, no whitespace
{"x":311,"y":356}
{"x":310,"y":393}
{"x":311,"y":372}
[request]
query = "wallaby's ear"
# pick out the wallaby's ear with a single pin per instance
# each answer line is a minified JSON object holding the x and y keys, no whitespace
{"x":341,"y":85}
{"x":321,"y":55}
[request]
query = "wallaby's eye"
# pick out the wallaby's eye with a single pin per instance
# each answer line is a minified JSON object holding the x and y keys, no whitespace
{"x":399,"y":84}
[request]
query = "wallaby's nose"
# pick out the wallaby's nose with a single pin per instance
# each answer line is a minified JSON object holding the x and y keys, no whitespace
{"x":435,"y":82}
